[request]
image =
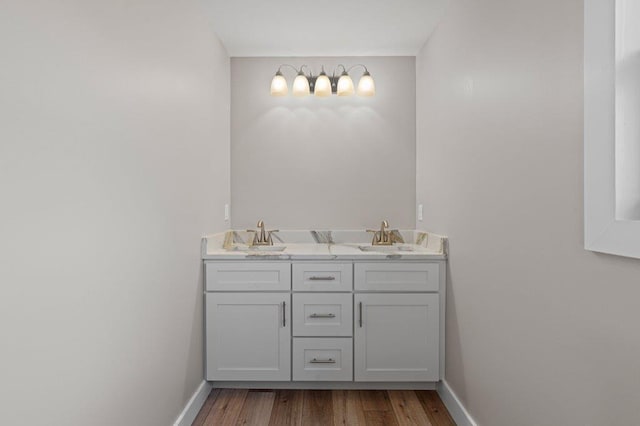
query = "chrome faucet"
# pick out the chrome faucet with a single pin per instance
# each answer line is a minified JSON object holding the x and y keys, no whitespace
{"x":382,"y":237}
{"x":261,"y":236}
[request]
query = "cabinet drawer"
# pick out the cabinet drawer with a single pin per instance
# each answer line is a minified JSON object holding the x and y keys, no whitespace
{"x":322,"y":314}
{"x":248,"y":276}
{"x":323,"y":359}
{"x":322,"y":276}
{"x":397,"y":276}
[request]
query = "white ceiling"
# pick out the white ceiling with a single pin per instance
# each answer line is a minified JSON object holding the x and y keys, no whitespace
{"x":324,"y":27}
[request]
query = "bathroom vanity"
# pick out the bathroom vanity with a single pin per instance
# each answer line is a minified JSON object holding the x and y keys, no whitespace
{"x":324,"y":309}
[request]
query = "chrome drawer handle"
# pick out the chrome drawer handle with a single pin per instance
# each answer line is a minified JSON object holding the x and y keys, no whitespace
{"x":322,"y":278}
{"x":322,"y":316}
{"x":322,"y":361}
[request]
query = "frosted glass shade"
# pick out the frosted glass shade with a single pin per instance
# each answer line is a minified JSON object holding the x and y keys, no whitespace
{"x":323,"y":86}
{"x":345,"y":85}
{"x":279,"y":85}
{"x":301,"y":86}
{"x":366,"y":86}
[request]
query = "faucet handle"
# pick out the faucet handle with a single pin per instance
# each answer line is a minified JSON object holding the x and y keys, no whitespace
{"x":269,"y":239}
{"x":264,"y":238}
{"x":377,"y":236}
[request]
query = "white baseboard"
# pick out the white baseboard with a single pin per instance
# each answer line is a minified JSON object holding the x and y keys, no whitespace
{"x":325,"y":385}
{"x":194,"y":405}
{"x":456,"y":409}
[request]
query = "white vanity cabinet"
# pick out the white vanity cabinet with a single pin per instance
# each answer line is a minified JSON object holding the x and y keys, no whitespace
{"x":397,"y":323}
{"x":363,"y":322}
{"x":248,"y":332}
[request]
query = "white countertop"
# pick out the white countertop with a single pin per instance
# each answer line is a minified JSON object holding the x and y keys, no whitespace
{"x":324,"y":245}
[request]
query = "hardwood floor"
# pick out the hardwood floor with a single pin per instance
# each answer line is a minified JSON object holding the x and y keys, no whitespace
{"x":230,"y":407}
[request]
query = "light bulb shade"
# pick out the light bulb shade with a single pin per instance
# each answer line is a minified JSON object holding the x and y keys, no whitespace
{"x":366,"y":86}
{"x":279,"y":85}
{"x":301,"y":86}
{"x":323,"y":86}
{"x":345,"y":85}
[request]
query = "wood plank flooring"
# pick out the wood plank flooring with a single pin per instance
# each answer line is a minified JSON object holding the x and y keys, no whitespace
{"x":231,"y":407}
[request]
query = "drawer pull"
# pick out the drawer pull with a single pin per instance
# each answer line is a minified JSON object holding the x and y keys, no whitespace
{"x":322,"y":316}
{"x":322,"y":278}
{"x":323,"y":361}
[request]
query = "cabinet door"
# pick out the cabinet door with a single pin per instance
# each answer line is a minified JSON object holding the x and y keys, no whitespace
{"x":396,"y":337}
{"x":248,"y":336}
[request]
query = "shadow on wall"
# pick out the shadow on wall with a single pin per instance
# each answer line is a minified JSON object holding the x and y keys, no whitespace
{"x":454,"y":363}
{"x":196,"y":342}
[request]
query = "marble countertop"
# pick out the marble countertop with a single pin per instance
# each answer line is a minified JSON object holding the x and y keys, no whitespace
{"x":324,"y":245}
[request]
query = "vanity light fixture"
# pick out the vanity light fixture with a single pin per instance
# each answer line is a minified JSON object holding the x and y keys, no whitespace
{"x":366,"y":86}
{"x":301,"y":85}
{"x":279,"y":85}
{"x":322,"y":88}
{"x":322,"y":85}
{"x":345,"y":85}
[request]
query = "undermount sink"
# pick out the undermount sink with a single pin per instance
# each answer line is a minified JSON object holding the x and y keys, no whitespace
{"x":258,"y":248}
{"x":386,"y":249}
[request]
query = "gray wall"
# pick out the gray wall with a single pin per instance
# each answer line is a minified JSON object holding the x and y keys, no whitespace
{"x":114,"y":146}
{"x":323,"y":163}
{"x":539,"y":331}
